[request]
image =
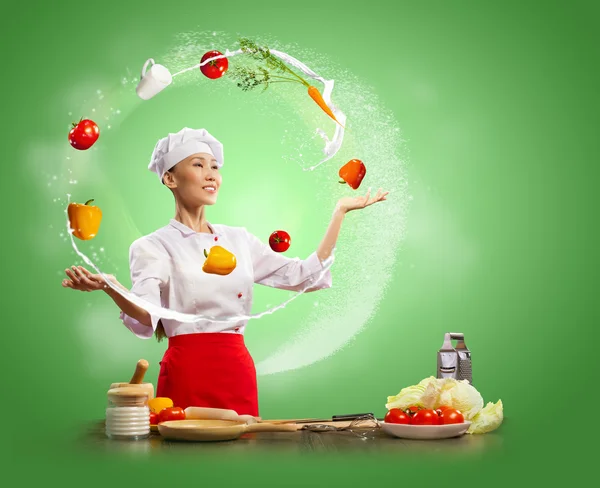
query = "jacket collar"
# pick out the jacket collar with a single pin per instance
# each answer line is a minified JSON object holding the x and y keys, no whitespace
{"x":186,"y":231}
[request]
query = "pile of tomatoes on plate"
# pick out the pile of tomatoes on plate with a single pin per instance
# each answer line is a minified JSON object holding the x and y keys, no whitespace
{"x":424,"y":416}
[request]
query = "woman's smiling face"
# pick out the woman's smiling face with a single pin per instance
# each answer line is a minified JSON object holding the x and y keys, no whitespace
{"x":196,"y":179}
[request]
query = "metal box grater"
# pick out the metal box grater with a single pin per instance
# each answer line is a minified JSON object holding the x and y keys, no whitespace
{"x":454,"y":362}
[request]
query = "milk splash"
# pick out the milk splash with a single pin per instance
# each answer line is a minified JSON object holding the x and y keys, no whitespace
{"x":330,"y":150}
{"x":331,"y":146}
{"x":166,"y":313}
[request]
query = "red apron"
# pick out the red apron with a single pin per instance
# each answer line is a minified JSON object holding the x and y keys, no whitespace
{"x":209,"y":370}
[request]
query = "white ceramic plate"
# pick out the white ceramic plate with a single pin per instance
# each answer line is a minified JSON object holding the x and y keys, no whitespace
{"x":407,"y":431}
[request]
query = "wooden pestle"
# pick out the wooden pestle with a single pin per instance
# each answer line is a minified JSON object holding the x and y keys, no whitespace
{"x":140,"y":371}
{"x":137,"y":379}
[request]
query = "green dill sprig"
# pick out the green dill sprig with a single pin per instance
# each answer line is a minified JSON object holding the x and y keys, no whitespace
{"x":263,"y":53}
{"x":249,"y":78}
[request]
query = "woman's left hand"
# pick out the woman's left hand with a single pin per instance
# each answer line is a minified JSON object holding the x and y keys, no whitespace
{"x":352,"y":203}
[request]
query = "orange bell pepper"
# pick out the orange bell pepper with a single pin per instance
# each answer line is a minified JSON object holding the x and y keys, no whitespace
{"x":220,"y":261}
{"x":353,"y":173}
{"x":84,"y":219}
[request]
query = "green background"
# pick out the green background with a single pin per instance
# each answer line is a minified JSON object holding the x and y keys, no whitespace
{"x":497,"y":104}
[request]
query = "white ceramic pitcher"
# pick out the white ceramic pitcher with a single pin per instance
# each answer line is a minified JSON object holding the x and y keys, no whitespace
{"x":153,"y":81}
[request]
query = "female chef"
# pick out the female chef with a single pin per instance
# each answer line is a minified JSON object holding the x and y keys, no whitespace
{"x":206,"y":363}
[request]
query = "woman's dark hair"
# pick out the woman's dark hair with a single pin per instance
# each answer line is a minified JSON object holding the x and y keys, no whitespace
{"x":160,"y":331}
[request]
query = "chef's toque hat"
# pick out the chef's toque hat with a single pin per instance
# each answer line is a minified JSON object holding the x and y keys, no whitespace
{"x":174,"y":148}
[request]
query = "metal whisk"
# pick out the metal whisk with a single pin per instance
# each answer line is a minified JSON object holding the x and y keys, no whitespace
{"x":363,"y":426}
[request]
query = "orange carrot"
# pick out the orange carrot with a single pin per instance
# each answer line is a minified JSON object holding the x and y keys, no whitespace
{"x":316,"y":96}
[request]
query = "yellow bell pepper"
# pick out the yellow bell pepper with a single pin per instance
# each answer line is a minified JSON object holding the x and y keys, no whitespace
{"x":84,"y":219}
{"x":220,"y":261}
{"x":157,"y":404}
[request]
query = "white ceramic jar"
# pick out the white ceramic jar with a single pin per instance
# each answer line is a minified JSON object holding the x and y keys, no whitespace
{"x":127,"y":414}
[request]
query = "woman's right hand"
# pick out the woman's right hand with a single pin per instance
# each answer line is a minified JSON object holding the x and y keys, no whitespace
{"x":81,"y":279}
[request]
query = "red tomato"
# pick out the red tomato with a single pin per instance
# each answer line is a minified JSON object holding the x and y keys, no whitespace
{"x":410,"y":411}
{"x":216,"y":68}
{"x":451,"y":416}
{"x":172,"y":413}
{"x":440,"y":409}
{"x":425,"y":417}
{"x":153,"y":418}
{"x":280,"y":241}
{"x":84,"y":134}
{"x":396,"y":416}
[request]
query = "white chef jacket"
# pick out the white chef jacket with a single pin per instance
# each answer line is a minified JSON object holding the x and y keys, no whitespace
{"x":166,"y":270}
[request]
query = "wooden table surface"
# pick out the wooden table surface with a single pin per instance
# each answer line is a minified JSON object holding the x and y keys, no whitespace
{"x":295,"y":442}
